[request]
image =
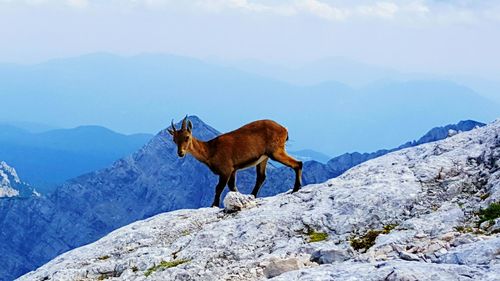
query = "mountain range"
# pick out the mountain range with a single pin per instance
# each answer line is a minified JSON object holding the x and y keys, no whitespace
{"x":356,"y":74}
{"x":142,"y":93}
{"x":148,"y":182}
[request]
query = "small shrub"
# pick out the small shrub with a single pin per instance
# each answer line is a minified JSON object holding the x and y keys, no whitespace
{"x":135,"y":269}
{"x":490,"y":213}
{"x":164,"y":265}
{"x":103,"y":277}
{"x":103,"y":258}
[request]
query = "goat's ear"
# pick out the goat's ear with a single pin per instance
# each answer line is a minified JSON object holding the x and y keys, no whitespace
{"x":189,"y":126}
{"x":170,"y":131}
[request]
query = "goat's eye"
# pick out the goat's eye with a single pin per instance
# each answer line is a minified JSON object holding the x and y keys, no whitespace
{"x":187,"y":138}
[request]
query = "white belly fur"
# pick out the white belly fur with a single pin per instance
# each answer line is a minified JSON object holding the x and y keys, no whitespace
{"x":262,"y":158}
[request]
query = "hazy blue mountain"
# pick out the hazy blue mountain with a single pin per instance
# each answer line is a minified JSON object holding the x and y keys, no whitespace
{"x":142,"y":93}
{"x":357,"y":74}
{"x":151,"y":181}
{"x":47,"y":158}
{"x":487,"y":87}
{"x":32,"y":127}
{"x":347,"y":71}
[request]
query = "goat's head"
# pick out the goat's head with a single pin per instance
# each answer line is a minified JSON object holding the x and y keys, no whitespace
{"x":182,"y":137}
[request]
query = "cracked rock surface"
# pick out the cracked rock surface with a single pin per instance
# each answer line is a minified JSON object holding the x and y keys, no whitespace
{"x":429,"y":195}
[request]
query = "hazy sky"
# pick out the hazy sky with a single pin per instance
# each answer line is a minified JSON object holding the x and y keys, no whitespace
{"x":439,"y":36}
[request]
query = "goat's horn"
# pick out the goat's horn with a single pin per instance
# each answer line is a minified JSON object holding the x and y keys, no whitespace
{"x":173,"y":126}
{"x":184,"y":123}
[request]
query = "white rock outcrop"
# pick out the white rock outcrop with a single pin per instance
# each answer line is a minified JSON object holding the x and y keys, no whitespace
{"x":235,"y":201}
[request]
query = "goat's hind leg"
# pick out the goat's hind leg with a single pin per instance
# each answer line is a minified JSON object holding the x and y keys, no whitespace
{"x":285,"y":159}
{"x":261,"y":177}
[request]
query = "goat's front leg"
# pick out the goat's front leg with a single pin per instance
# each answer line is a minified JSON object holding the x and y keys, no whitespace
{"x":223,"y":179}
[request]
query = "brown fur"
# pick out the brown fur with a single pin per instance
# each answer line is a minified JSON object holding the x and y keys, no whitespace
{"x":250,"y":145}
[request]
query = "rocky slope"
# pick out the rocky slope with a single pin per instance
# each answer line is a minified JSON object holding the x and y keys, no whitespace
{"x":409,"y":215}
{"x":11,"y":185}
{"x":151,"y":181}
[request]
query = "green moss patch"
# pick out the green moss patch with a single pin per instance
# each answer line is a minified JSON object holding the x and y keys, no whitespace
{"x":368,"y":240}
{"x":388,"y":228}
{"x":365,"y":241}
{"x":103,"y":258}
{"x":316,"y":236}
{"x":490,"y":213}
{"x":164,"y":265}
{"x":484,"y":196}
{"x":464,"y":229}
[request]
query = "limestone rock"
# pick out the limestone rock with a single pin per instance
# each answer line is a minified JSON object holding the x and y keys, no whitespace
{"x":235,"y":201}
{"x":277,"y":267}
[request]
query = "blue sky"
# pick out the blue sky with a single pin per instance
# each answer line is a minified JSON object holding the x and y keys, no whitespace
{"x":410,"y":35}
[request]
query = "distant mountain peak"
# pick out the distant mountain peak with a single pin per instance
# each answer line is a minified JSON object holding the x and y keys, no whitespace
{"x":201,"y":129}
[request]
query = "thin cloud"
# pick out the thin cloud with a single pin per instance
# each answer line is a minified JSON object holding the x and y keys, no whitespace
{"x":78,"y":3}
{"x":380,"y":9}
{"x":425,"y":12}
{"x":322,"y":10}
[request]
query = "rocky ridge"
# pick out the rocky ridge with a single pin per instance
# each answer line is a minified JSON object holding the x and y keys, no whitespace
{"x":414,"y":214}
